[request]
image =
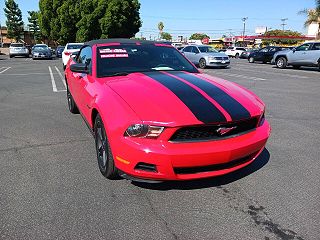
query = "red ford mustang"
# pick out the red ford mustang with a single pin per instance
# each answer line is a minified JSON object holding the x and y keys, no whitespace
{"x":154,"y":116}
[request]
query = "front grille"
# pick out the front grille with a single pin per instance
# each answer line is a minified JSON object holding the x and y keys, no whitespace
{"x":221,"y":58}
{"x":215,"y":167}
{"x":211,"y":132}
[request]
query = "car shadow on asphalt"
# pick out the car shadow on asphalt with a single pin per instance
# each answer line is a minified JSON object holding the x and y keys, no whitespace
{"x":261,"y":161}
{"x":304,"y":69}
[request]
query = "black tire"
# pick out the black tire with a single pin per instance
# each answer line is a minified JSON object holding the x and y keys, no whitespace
{"x":281,"y":62}
{"x":64,"y":67}
{"x":296,"y":66}
{"x":104,"y":154}
{"x":251,"y":60}
{"x":71,"y":103}
{"x":237,"y":55}
{"x":319,"y":65}
{"x":10,"y":56}
{"x":202,"y":63}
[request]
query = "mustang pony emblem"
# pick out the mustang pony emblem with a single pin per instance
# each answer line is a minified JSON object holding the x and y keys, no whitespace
{"x":224,"y":130}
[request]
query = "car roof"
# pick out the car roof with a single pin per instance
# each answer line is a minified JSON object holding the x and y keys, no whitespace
{"x":122,"y":40}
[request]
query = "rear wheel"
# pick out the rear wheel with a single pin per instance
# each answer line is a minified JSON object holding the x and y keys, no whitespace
{"x":281,"y":62}
{"x":202,"y":63}
{"x":251,"y":60}
{"x":104,"y":155}
{"x":71,"y":103}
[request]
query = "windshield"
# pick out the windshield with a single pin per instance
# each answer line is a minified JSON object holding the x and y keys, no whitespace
{"x":16,"y":45}
{"x":40,"y":48}
{"x":74,"y":46}
{"x":207,"y":49}
{"x":129,"y":58}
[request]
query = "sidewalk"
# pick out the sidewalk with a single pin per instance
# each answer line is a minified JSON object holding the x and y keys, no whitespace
{"x":4,"y":51}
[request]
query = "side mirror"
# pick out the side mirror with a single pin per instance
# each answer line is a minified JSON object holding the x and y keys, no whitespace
{"x":79,"y":68}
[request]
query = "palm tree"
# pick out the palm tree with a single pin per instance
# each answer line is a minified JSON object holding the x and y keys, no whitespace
{"x":313,"y":16}
{"x":161,"y":26}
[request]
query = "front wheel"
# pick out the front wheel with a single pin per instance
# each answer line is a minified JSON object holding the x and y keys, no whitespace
{"x":281,"y":62}
{"x":202,"y":63}
{"x":104,"y":154}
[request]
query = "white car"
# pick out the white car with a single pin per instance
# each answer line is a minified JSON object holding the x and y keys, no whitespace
{"x":235,"y":51}
{"x":68,"y":50}
{"x":18,"y":49}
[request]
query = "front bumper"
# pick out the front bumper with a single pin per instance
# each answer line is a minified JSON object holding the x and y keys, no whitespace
{"x":216,"y":63}
{"x":186,"y":161}
{"x":41,"y":56}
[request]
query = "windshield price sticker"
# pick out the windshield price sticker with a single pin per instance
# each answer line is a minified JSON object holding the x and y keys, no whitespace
{"x":108,"y":50}
{"x":114,"y":56}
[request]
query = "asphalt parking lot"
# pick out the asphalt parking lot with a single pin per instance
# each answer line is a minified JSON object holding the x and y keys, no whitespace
{"x":51,"y":187}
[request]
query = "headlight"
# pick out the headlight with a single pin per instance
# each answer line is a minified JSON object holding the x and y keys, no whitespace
{"x":143,"y":131}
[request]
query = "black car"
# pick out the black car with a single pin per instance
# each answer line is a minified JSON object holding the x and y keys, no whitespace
{"x":41,"y":51}
{"x":245,"y":54}
{"x":264,"y":54}
{"x":59,"y":51}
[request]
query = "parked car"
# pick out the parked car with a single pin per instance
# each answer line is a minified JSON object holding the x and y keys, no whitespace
{"x":59,"y":51}
{"x":69,"y":48}
{"x":308,"y":54}
{"x":235,"y":51}
{"x":205,"y":56}
{"x":264,"y":54}
{"x":41,"y":51}
{"x":18,"y":49}
{"x":245,"y":54}
{"x":154,"y":116}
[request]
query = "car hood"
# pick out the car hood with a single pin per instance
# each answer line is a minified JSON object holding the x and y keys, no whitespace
{"x":178,"y":98}
{"x":218,"y":54}
{"x":41,"y":51}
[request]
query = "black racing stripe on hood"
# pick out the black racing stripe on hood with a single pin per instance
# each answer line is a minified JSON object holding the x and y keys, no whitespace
{"x":201,"y":107}
{"x":231,"y":105}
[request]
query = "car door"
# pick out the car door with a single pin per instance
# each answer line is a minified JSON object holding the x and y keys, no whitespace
{"x":260,"y":55}
{"x":298,"y":56}
{"x":269,"y":55}
{"x":195,"y":56}
{"x":313,"y":54}
{"x":82,"y":81}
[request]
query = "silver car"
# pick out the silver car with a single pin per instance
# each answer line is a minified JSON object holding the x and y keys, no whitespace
{"x":308,"y":54}
{"x":18,"y":49}
{"x":204,"y":56}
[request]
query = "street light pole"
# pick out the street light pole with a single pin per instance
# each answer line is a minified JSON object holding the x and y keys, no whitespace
{"x":244,"y":28}
{"x":283,"y":22}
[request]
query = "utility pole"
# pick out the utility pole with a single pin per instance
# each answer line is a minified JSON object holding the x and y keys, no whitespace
{"x":283,"y":22}
{"x":244,"y":26}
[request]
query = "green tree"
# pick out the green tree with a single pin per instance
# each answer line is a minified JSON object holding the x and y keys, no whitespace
{"x":89,"y":26}
{"x":45,"y":17}
{"x":34,"y":25}
{"x":198,"y":36}
{"x":122,"y":19}
{"x":166,"y":36}
{"x":160,"y":28}
{"x":313,"y":16}
{"x":14,"y":20}
{"x":283,"y":41}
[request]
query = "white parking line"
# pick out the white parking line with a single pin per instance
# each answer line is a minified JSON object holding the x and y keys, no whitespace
{"x":4,"y":69}
{"x":62,"y":79}
{"x":241,"y":76}
{"x":54,"y":86}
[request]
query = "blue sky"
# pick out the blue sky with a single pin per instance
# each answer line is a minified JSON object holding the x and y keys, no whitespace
{"x":184,"y":17}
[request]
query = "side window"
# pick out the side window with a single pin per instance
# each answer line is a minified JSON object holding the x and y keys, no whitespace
{"x":195,"y":50}
{"x":303,"y":47}
{"x":187,"y":49}
{"x":263,"y":50}
{"x":85,"y":56}
{"x":316,"y":46}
